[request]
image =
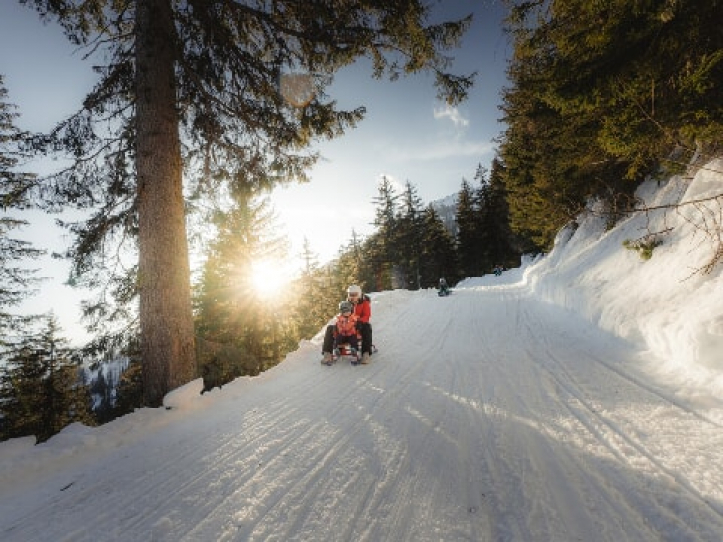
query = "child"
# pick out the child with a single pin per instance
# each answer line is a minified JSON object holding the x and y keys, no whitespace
{"x":346,"y":327}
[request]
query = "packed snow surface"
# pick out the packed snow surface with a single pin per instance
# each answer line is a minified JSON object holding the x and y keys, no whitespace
{"x":577,"y":398}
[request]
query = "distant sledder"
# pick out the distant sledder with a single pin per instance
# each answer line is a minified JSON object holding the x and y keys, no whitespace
{"x":443,"y":288}
{"x":337,"y":340}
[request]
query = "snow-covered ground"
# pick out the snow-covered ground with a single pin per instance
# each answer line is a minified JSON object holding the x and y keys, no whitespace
{"x":577,"y":398}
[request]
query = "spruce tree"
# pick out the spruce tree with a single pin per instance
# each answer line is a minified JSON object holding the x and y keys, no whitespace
{"x":410,"y":234}
{"x":230,"y":311}
{"x":468,"y":235}
{"x":504,"y":247}
{"x":41,"y":387}
{"x":384,"y":247}
{"x":360,"y":265}
{"x":603,"y":96}
{"x":313,"y":300}
{"x":353,"y":265}
{"x":438,"y":257}
{"x":497,"y":239}
{"x":23,"y":392}
{"x":219,"y":76}
{"x":484,"y":223}
{"x":17,"y":281}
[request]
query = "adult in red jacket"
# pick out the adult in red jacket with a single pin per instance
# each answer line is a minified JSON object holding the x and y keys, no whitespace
{"x":363,"y":312}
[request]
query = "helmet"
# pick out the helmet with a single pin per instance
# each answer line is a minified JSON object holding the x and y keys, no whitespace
{"x":353,"y":290}
{"x":346,"y":306}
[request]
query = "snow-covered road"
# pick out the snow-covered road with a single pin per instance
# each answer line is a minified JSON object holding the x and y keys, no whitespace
{"x":485,"y":416}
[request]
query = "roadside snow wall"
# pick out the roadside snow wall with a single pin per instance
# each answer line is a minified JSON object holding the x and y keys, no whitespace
{"x":667,"y":303}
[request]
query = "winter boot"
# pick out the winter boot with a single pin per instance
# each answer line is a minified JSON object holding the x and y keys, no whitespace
{"x":365,"y":358}
{"x":326,"y":360}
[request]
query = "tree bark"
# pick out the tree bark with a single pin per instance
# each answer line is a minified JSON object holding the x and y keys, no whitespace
{"x":166,"y":321}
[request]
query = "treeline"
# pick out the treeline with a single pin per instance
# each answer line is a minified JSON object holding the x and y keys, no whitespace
{"x":602,"y":96}
{"x":413,"y":247}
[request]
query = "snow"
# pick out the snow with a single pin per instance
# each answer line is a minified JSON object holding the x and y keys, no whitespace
{"x":575,"y":398}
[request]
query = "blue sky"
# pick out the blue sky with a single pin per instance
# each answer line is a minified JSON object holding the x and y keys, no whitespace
{"x":407,"y":134}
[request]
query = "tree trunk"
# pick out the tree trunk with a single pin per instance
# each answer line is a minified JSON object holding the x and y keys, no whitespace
{"x":167,"y":339}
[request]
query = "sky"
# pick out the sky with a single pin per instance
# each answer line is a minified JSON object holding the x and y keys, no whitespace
{"x":407,"y":135}
{"x":578,"y":397}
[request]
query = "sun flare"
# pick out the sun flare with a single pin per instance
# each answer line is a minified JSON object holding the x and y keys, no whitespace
{"x":269,"y":277}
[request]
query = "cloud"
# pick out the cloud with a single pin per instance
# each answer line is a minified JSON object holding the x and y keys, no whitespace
{"x":451,"y":113}
{"x":441,"y":150}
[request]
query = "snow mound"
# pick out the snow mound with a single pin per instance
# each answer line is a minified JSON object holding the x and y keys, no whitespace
{"x":669,"y":303}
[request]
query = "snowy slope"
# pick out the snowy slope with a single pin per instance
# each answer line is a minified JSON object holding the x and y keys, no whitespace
{"x":559,"y":402}
{"x":666,"y":304}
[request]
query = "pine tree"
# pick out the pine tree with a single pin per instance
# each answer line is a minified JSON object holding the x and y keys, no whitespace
{"x":129,"y":394}
{"x":367,"y":271}
{"x":41,"y":388}
{"x":484,"y":222}
{"x":496,"y":238}
{"x":439,"y":257}
{"x":314,"y":298}
{"x":410,"y":234}
{"x":221,"y":77}
{"x":350,"y":267}
{"x":22,"y":392}
{"x":468,"y":236}
{"x":604,"y":95}
{"x":230,"y":312}
{"x":16,"y":281}
{"x":504,"y":248}
{"x":383,"y":248}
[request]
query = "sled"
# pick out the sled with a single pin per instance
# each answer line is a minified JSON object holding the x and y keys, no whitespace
{"x":345,"y":351}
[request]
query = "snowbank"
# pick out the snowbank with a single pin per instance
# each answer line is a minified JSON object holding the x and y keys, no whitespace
{"x":673,"y":310}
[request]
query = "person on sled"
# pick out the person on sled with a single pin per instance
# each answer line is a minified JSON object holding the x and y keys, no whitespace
{"x":443,"y":287}
{"x":363,"y":311}
{"x":346,"y":327}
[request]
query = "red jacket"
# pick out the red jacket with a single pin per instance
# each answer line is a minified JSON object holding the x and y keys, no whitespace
{"x":346,"y":325}
{"x":363,"y":308}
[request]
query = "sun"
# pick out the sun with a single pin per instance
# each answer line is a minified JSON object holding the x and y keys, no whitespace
{"x":269,"y":278}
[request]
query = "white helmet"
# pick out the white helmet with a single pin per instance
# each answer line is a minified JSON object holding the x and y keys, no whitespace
{"x":354,"y":291}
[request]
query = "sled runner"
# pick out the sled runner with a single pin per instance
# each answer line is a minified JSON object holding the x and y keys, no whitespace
{"x":345,"y":351}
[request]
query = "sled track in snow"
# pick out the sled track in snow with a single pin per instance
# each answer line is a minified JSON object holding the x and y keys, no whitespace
{"x":603,"y":426}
